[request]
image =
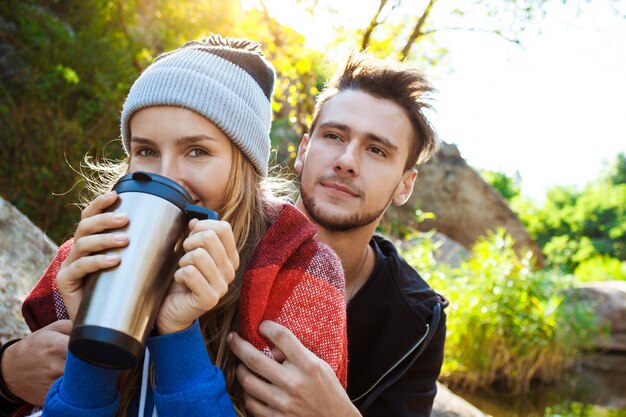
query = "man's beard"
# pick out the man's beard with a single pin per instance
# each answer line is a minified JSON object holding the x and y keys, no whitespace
{"x":338,"y":223}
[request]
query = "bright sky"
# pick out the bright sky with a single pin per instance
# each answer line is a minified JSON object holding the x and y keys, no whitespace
{"x":553,"y":110}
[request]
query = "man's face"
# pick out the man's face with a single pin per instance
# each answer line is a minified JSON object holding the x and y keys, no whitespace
{"x":352,"y":166}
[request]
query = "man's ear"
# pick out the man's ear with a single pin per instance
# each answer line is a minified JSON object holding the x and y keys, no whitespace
{"x":300,"y":156}
{"x":405,"y":188}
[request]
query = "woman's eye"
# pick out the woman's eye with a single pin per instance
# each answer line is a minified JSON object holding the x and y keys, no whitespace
{"x":198,"y":152}
{"x":145,"y":152}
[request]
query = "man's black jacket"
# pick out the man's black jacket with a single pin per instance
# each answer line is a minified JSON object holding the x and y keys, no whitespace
{"x":396,"y":336}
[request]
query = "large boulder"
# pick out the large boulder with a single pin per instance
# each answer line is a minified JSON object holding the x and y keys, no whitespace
{"x":465,"y":206}
{"x":25,"y":252}
{"x":609,"y":301}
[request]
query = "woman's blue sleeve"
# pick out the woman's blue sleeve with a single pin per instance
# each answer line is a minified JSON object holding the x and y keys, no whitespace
{"x":187,"y":382}
{"x":83,"y":390}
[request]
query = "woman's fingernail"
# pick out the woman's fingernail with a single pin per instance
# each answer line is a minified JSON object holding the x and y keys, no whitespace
{"x":119,"y":216}
{"x":112,"y":258}
{"x":120,"y":237}
{"x":229,"y":337}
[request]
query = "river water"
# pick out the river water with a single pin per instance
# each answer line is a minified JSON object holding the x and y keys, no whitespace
{"x":596,"y":387}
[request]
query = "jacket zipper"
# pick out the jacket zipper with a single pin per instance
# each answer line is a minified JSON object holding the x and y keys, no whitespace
{"x":395,"y":365}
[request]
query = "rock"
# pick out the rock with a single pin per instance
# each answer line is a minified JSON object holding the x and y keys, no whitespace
{"x":598,"y":379}
{"x":25,"y":252}
{"x":609,"y":300}
{"x":465,"y":206}
{"x":447,"y":251}
{"x":606,"y":363}
{"x":447,"y":404}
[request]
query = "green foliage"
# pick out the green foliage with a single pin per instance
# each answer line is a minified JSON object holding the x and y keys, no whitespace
{"x":506,"y":323}
{"x":67,"y":67}
{"x":502,"y":183}
{"x":300,"y":75}
{"x":601,"y":268}
{"x":391,"y":225}
{"x":577,"y":409}
{"x":616,"y":173}
{"x":62,"y":89}
{"x":573,"y":226}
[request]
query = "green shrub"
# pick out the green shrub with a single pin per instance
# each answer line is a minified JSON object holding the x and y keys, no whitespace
{"x":601,"y":268}
{"x":507,"y":324}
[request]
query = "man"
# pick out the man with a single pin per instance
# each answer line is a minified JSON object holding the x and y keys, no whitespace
{"x":368,"y":132}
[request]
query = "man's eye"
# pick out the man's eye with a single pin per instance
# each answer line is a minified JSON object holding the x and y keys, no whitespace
{"x":332,"y":136}
{"x":377,"y":151}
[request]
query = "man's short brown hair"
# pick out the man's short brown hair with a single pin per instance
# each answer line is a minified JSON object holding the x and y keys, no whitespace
{"x":391,"y":80}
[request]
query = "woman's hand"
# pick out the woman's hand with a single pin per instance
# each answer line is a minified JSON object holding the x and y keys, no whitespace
{"x":89,"y":239}
{"x":208,"y":266}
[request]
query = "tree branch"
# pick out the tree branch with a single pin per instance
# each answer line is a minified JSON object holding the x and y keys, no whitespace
{"x":373,"y":24}
{"x":417,"y":31}
{"x":491,"y":32}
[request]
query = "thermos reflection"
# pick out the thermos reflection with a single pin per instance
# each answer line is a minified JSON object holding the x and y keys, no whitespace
{"x":121,"y":303}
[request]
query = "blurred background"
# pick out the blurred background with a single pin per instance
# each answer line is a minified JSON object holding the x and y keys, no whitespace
{"x":519,"y":220}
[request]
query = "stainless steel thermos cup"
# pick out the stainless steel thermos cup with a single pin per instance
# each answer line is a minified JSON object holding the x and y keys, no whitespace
{"x":120,"y":304}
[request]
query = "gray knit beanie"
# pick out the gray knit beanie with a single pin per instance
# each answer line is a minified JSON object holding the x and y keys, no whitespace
{"x":226,"y":80}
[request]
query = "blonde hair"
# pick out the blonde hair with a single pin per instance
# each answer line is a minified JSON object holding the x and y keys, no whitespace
{"x":243,"y":209}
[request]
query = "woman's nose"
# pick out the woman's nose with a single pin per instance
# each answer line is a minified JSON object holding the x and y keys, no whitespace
{"x":169,"y":168}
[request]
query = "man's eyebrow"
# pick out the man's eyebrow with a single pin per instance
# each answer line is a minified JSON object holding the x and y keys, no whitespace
{"x":180,"y":141}
{"x":336,"y":125}
{"x":382,"y":140}
{"x":370,"y":136}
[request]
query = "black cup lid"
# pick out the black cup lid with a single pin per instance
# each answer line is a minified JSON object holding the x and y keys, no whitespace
{"x":158,"y":185}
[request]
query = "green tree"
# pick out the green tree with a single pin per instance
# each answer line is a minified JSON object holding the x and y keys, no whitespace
{"x":617,"y":172}
{"x":573,"y":226}
{"x":502,"y":183}
{"x":66,"y":69}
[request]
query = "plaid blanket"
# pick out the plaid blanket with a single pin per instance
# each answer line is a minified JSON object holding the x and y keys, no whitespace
{"x":292,"y":279}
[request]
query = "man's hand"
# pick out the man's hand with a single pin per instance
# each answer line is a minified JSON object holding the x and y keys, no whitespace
{"x":297,"y":383}
{"x":30,"y":366}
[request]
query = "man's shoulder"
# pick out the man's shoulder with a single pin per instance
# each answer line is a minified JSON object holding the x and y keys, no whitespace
{"x":406,"y":280}
{"x":393,"y":264}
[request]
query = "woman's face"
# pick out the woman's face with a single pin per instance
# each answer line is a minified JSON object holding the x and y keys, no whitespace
{"x":185,"y":147}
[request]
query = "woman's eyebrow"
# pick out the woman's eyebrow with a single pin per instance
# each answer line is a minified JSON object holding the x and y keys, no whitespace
{"x":193,"y":138}
{"x":180,"y":141}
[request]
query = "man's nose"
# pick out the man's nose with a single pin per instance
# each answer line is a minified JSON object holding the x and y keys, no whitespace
{"x":347,"y":161}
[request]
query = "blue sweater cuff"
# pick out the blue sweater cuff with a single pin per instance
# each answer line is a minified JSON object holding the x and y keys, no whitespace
{"x":87,"y":386}
{"x":181,"y":360}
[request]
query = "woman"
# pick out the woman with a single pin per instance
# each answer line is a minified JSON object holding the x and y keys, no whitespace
{"x":200,"y":115}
